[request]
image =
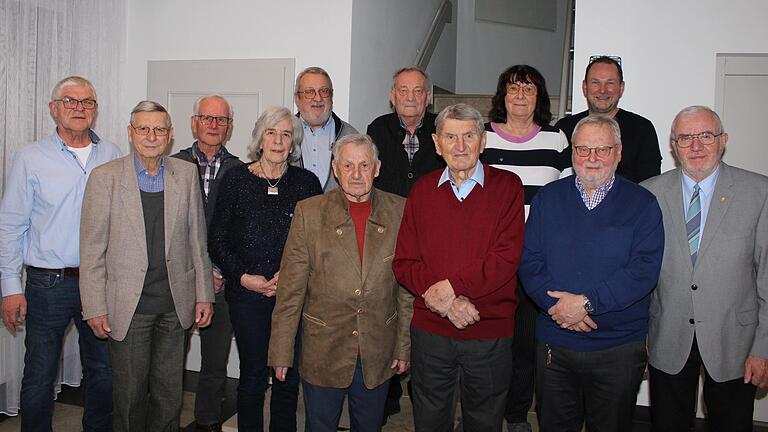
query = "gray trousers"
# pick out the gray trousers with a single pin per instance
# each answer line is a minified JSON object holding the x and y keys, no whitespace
{"x":215,"y":341}
{"x":148,"y":368}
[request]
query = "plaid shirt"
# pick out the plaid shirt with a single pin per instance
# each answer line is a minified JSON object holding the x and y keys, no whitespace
{"x":411,"y":141}
{"x":599,"y":195}
{"x":207,"y":169}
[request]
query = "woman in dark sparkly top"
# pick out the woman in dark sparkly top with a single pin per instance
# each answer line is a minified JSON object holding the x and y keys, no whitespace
{"x":249,"y":228}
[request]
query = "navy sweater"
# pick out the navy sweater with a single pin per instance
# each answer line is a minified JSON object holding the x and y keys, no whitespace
{"x":611,"y":254}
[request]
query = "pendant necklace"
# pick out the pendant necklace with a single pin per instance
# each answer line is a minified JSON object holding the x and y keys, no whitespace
{"x":272,"y":189}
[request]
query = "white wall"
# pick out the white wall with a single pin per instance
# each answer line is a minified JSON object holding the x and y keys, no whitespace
{"x":314,"y":32}
{"x":668,"y":51}
{"x":385,"y":37}
{"x":486,"y":49}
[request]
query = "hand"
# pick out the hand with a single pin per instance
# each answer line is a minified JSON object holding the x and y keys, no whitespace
{"x":218,"y":281}
{"x":569,"y":309}
{"x":100,"y":326}
{"x":203,"y":314}
{"x":14,"y":311}
{"x":259,"y":284}
{"x":280,"y":372}
{"x":439,"y":297}
{"x":756,"y":371}
{"x":463,"y":313}
{"x":584,"y":326}
{"x":400,"y":366}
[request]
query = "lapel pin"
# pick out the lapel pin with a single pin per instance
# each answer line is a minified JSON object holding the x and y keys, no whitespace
{"x":338,"y":231}
{"x":381,"y":230}
{"x":722,"y":199}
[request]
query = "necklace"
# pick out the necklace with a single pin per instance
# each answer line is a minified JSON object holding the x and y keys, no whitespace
{"x":272,"y":189}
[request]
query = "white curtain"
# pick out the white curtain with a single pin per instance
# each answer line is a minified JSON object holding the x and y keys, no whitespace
{"x":41,"y":42}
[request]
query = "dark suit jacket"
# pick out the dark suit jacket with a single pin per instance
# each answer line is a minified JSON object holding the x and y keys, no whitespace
{"x":397,"y":175}
{"x":722,"y":299}
{"x":343,"y":305}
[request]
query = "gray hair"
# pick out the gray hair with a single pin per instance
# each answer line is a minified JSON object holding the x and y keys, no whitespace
{"x":311,"y":70}
{"x":601,"y":121}
{"x":71,"y":81}
{"x":428,"y":85}
{"x":269,"y":118}
{"x":151,"y":106}
{"x":196,"y":106}
{"x":360,"y":139}
{"x":695,"y":109}
{"x":460,"y":111}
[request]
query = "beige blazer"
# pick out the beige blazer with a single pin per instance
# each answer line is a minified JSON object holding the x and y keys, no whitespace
{"x":343,"y":305}
{"x":113,"y":246}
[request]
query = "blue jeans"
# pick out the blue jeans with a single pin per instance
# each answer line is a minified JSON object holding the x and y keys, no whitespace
{"x":52,"y":301}
{"x":366,"y":406}
{"x":251,"y":316}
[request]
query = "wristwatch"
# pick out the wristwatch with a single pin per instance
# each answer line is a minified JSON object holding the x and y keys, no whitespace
{"x":588,"y":306}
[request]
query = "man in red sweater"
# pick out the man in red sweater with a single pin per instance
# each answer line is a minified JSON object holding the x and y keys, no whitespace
{"x":458,"y":251}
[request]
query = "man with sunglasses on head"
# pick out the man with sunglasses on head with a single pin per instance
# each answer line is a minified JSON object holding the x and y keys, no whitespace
{"x":708,"y":309}
{"x":212,"y":124}
{"x":603,"y":86}
{"x":592,"y":254}
{"x":39,"y":228}
{"x":322,"y":128}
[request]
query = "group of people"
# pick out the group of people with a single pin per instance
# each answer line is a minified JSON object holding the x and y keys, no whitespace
{"x":485,"y":259}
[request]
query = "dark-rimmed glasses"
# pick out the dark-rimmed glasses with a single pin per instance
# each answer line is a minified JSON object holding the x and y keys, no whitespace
{"x":71,"y":103}
{"x":601,"y":151}
{"x":208,"y":119}
{"x":310,"y":93}
{"x":706,"y":138}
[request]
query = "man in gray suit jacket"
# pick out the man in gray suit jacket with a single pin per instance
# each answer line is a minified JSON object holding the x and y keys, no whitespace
{"x":146,"y":276}
{"x":709,"y":307}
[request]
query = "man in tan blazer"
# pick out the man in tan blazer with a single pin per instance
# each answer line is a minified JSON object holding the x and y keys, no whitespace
{"x":336,"y":279}
{"x":146,"y":276}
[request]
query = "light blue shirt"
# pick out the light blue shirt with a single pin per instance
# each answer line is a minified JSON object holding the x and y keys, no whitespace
{"x":316,"y":149}
{"x":148,"y":182}
{"x":40,"y":210}
{"x":706,"y":190}
{"x":477,"y":178}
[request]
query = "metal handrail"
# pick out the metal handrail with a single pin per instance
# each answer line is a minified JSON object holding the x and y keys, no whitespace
{"x":565,"y":79}
{"x":424,"y":53}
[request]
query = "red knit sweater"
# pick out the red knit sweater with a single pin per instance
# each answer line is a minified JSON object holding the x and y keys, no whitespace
{"x":475,"y":244}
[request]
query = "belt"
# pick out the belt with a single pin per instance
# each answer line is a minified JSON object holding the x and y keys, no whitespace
{"x":68,"y":271}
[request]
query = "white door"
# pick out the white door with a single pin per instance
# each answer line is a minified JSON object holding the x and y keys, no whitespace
{"x":741,"y":99}
{"x":249,"y":86}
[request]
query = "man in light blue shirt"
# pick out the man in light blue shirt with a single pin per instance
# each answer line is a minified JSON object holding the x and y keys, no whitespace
{"x":322,"y":128}
{"x":39,"y":228}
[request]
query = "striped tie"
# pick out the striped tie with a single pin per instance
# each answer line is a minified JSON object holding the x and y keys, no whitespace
{"x":693,"y":224}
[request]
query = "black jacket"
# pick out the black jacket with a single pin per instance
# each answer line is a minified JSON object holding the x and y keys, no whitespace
{"x":397,"y":175}
{"x":228,"y":160}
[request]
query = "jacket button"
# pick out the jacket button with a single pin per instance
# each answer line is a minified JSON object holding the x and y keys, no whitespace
{"x":691,"y":321}
{"x":694,"y":287}
{"x":359,"y":311}
{"x":380,"y":230}
{"x":355,"y":333}
{"x":410,"y":175}
{"x":358,"y":292}
{"x":338,"y":231}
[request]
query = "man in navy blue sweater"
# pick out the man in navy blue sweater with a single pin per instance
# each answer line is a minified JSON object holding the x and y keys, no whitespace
{"x":592,"y":255}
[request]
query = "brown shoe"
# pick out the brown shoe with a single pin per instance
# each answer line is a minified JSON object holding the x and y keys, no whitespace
{"x":216,"y":427}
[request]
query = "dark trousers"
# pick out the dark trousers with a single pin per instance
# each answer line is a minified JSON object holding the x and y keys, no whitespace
{"x":324,"y":404}
{"x":599,"y":387}
{"x":520,"y":396}
{"x":215,"y":341}
{"x":52,"y":302}
{"x":148,"y":373}
{"x":441,"y":366}
{"x":673,"y":399}
{"x":251,"y":317}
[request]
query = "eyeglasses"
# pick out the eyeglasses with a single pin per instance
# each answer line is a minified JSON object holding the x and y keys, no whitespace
{"x":617,"y":59}
{"x":528,"y":89}
{"x":601,"y":151}
{"x":417,"y":92}
{"x":310,"y":93}
{"x":706,"y":138}
{"x":145,"y":130}
{"x":71,"y":103}
{"x":208,"y":119}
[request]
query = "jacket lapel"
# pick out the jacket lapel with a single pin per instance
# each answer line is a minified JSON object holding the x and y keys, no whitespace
{"x":375,"y":235}
{"x":341,"y":223}
{"x":673,"y":201}
{"x":131,"y":201}
{"x":718,"y":206}
{"x":171,"y":190}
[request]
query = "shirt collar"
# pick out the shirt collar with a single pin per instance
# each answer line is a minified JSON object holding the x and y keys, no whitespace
{"x":140,"y":167}
{"x":478,"y":176}
{"x":201,"y":156}
{"x":602,"y":189}
{"x":91,"y":134}
{"x":407,"y":129}
{"x":326,"y":126}
{"x":706,"y":186}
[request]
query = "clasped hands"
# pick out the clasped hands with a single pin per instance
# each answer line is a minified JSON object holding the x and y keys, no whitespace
{"x":569,"y":312}
{"x":260,"y":284}
{"x":441,"y":299}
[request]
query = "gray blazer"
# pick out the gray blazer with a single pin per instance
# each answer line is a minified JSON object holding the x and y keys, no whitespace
{"x":113,"y":246}
{"x":725,"y":294}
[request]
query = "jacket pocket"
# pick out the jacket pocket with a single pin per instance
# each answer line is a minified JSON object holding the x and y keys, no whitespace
{"x":747,"y":317}
{"x":315,"y":320}
{"x":390,"y":319}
